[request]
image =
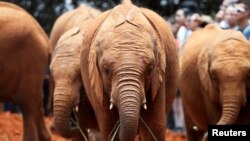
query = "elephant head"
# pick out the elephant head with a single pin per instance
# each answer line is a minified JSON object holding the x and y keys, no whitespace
{"x":65,"y":69}
{"x":224,"y":69}
{"x":71,"y":19}
{"x":125,"y":51}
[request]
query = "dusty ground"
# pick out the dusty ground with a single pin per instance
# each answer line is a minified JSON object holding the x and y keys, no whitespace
{"x":11,"y":129}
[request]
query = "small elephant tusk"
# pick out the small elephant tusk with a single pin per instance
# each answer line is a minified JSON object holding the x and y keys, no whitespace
{"x":111,"y":106}
{"x":76,"y":108}
{"x":195,"y":128}
{"x":145,"y":106}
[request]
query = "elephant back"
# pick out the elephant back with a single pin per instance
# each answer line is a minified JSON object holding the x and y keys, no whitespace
{"x":23,"y":42}
{"x":71,"y":19}
{"x":16,"y":24}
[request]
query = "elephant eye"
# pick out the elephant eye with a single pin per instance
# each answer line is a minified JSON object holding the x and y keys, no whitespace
{"x":211,"y":75}
{"x":150,"y":69}
{"x":214,"y":78}
{"x":107,"y":70}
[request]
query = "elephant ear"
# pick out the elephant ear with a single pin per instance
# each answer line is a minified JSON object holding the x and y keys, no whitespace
{"x":204,"y":57}
{"x":204,"y":61}
{"x":167,"y":63}
{"x":89,"y":69}
{"x":204,"y":64}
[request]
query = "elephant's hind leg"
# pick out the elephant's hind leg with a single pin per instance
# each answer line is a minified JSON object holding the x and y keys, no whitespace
{"x":29,"y":123}
{"x":29,"y":99}
{"x":41,"y":126}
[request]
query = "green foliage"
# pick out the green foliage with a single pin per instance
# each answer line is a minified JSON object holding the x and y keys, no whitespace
{"x":44,"y":11}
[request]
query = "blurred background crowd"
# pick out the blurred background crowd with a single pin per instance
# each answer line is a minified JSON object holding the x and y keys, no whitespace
{"x":184,"y":16}
{"x":232,"y":14}
{"x":191,"y":14}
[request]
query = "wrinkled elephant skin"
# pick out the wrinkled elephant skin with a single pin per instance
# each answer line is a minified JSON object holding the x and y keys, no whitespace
{"x":129,"y":67}
{"x":24,"y":54}
{"x":214,"y":80}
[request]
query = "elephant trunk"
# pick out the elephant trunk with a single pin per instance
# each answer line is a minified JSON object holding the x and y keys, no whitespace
{"x":230,"y":113}
{"x":233,"y":99}
{"x":129,"y":100}
{"x":62,"y":112}
{"x":128,"y":107}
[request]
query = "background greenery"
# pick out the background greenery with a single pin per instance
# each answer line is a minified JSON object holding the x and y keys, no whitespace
{"x":46,"y":11}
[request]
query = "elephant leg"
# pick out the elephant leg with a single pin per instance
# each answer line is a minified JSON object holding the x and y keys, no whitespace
{"x":107,"y":121}
{"x":44,"y":135}
{"x":81,"y":118}
{"x":153,"y":129}
{"x":79,"y":136}
{"x":29,"y":99}
{"x":152,"y":125}
{"x":94,"y":135}
{"x":86,"y":118}
{"x":192,"y":134}
{"x":29,"y":122}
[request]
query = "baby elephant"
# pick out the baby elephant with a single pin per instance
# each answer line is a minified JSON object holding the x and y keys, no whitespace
{"x":24,"y":54}
{"x":214,"y":81}
{"x":69,"y":91}
{"x":129,"y":69}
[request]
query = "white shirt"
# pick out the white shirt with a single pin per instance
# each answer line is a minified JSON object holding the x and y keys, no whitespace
{"x":182,"y":35}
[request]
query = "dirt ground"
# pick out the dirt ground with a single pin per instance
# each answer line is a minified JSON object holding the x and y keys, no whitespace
{"x":11,"y":129}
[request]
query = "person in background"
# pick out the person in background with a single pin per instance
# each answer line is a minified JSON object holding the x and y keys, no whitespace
{"x":183,"y":32}
{"x":242,"y":15}
{"x":206,"y":19}
{"x":194,"y":21}
{"x":220,"y":15}
{"x":230,"y":17}
{"x":174,"y":27}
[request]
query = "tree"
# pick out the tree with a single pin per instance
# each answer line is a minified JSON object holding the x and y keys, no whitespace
{"x":46,"y":11}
